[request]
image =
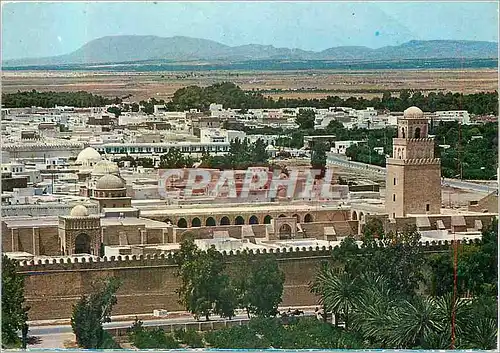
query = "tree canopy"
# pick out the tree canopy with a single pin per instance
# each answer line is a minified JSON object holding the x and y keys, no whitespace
{"x":91,"y":311}
{"x":14,"y":311}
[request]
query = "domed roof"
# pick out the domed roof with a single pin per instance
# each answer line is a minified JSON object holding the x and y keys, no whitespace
{"x":88,"y":154}
{"x":413,"y":113}
{"x":109,"y":182}
{"x":79,"y":211}
{"x":104,"y":167}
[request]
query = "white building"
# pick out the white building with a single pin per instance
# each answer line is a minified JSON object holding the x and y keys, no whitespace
{"x":462,"y":116}
{"x":341,"y":146}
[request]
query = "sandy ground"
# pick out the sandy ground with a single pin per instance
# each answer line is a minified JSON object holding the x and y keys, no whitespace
{"x":294,"y":84}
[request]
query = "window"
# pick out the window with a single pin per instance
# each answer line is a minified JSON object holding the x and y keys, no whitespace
{"x":427,"y":207}
{"x":394,"y":181}
{"x":393,"y":197}
{"x":393,"y":215}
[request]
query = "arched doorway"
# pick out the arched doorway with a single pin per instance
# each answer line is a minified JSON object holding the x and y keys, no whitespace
{"x":285,"y":231}
{"x":196,"y":222}
{"x":82,"y":244}
{"x":308,"y":218}
{"x":182,"y":223}
{"x":224,"y":221}
{"x":267,"y":219}
{"x":239,"y":221}
{"x":417,"y":133}
{"x":253,"y":220}
{"x":210,"y":222}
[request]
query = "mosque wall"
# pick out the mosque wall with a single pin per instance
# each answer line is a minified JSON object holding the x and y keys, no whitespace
{"x":149,"y":283}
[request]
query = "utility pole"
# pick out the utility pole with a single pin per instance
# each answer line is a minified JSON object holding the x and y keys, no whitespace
{"x":459,"y":149}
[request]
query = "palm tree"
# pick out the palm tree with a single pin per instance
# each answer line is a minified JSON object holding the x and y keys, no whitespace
{"x":341,"y":294}
{"x":317,"y":286}
{"x":414,"y":322}
{"x":375,"y":310}
{"x":482,"y":333}
{"x":444,"y":309}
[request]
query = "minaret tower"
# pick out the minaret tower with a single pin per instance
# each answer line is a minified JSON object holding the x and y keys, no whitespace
{"x":413,"y":181}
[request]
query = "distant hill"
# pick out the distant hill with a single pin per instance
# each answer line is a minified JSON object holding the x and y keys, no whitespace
{"x":115,"y":49}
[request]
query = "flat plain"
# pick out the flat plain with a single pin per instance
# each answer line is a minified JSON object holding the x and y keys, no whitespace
{"x":287,"y":84}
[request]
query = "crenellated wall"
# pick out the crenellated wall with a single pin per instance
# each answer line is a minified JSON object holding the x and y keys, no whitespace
{"x":149,"y":283}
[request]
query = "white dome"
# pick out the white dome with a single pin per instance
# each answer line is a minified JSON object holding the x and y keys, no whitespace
{"x":89,"y":154}
{"x":413,"y":113}
{"x":79,"y":211}
{"x":110,"y":182}
{"x":104,"y":167}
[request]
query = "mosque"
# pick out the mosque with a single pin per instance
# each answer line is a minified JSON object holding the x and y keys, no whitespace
{"x":413,"y":197}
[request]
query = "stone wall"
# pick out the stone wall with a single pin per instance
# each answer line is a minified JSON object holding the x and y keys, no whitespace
{"x":53,"y":209}
{"x":147,"y":283}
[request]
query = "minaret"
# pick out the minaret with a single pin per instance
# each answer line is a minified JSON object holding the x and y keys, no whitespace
{"x":413,"y":181}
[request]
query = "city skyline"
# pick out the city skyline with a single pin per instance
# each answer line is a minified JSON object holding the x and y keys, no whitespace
{"x":64,"y":27}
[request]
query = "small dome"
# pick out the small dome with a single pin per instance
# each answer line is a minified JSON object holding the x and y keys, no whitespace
{"x":413,"y":113}
{"x":105,"y":167}
{"x":270,"y":147}
{"x":89,"y":154}
{"x":79,"y":211}
{"x":109,"y":182}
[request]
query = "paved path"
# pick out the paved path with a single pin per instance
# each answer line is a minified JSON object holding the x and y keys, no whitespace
{"x":54,"y":336}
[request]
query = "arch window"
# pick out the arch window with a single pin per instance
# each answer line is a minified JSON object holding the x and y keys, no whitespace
{"x":253,"y":220}
{"x":210,"y":222}
{"x":196,"y":222}
{"x":182,"y":223}
{"x":224,"y":221}
{"x":308,"y":218}
{"x":239,"y":220}
{"x":267,"y":219}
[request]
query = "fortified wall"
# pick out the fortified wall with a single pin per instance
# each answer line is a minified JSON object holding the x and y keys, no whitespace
{"x":149,"y":283}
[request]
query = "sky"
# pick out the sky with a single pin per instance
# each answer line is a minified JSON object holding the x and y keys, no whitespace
{"x":39,"y":29}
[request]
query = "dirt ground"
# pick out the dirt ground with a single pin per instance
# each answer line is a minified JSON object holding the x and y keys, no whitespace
{"x":294,"y":84}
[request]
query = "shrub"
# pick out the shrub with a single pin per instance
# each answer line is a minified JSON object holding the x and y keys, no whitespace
{"x":190,"y":337}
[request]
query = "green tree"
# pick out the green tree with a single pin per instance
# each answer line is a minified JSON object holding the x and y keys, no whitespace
{"x":318,"y":156}
{"x":203,"y":282}
{"x":115,"y":110}
{"x":14,"y":312}
{"x":174,"y":158}
{"x":305,"y":119}
{"x":91,"y":311}
{"x":259,"y":285}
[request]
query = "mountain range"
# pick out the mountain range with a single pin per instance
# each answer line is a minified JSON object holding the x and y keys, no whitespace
{"x":117,"y":49}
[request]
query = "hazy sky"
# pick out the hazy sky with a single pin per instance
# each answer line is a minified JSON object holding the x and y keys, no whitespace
{"x":46,"y":29}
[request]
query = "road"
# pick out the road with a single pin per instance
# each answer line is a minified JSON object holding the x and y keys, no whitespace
{"x":456,"y":183}
{"x":53,"y":336}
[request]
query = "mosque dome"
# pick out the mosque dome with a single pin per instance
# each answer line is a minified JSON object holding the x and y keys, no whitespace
{"x":79,"y":211}
{"x":413,"y":113}
{"x":110,"y":182}
{"x":104,"y":167}
{"x":89,"y":154}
